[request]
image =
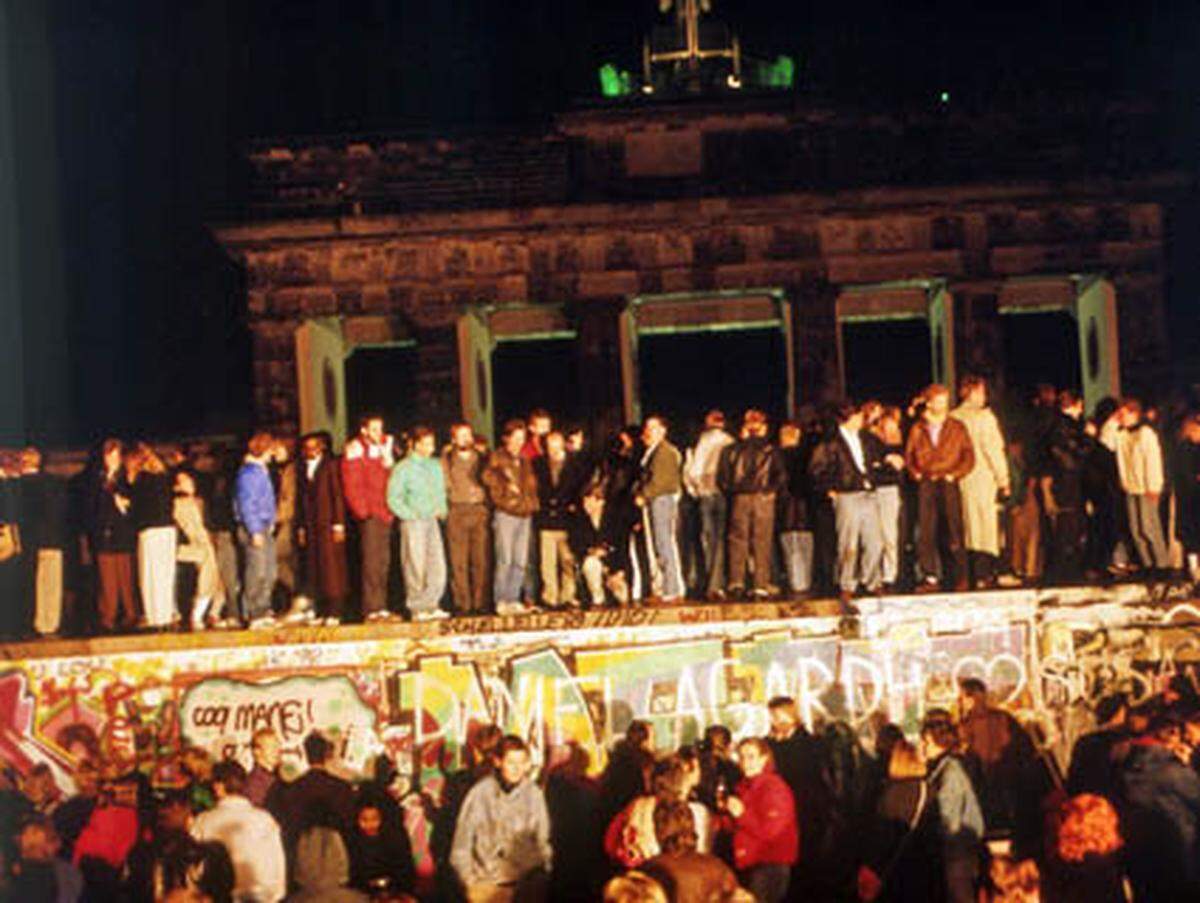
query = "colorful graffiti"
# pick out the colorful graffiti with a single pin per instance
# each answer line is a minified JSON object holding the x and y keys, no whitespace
{"x":415,"y":698}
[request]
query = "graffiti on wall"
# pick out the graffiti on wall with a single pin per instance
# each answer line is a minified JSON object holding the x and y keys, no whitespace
{"x":417,"y":700}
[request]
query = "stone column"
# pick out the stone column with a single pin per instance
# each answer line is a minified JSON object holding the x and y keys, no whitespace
{"x":979,"y":335}
{"x":598,"y":363}
{"x":1141,"y":318}
{"x":813,"y":304}
{"x":438,"y":402}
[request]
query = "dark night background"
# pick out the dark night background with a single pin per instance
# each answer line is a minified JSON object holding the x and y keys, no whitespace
{"x":124,"y":122}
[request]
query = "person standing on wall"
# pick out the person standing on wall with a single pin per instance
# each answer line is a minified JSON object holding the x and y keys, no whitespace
{"x":559,"y":483}
{"x":43,"y":522}
{"x":416,"y":494}
{"x":111,"y":536}
{"x":321,"y":529}
{"x":152,"y":510}
{"x":1140,"y":465}
{"x":846,"y":473}
{"x":700,"y":479}
{"x":467,"y":521}
{"x":366,"y":466}
{"x":751,"y":473}
{"x":657,"y":494}
{"x":512,"y":486}
{"x":939,"y":454}
{"x":254,"y":510}
{"x":1068,"y":448}
{"x":985,"y":483}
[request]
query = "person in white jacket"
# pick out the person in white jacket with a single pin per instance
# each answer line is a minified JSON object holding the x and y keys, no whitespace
{"x":700,"y":481}
{"x":987,"y":482}
{"x":249,"y":833}
{"x":1140,"y":465}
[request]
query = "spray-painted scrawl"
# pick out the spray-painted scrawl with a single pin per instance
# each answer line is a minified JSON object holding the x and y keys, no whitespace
{"x":561,"y":680}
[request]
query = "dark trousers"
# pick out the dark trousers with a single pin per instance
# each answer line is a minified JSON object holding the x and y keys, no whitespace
{"x":751,"y":535}
{"x":470,"y":552}
{"x":939,"y":512}
{"x":376,"y":539}
{"x":824,"y":544}
{"x":1068,"y":541}
{"x":768,"y":883}
{"x":114,"y":571}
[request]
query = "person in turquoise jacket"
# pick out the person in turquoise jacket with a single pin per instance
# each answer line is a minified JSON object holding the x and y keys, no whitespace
{"x":416,"y":494}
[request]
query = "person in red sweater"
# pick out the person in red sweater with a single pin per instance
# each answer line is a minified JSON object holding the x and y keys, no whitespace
{"x":762,"y":816}
{"x":366,"y":466}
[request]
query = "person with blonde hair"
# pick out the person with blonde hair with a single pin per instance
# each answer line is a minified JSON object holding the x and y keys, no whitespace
{"x":901,"y":855}
{"x":984,"y":483}
{"x":197,"y":549}
{"x":152,"y":510}
{"x":634,"y":887}
{"x":766,"y":841}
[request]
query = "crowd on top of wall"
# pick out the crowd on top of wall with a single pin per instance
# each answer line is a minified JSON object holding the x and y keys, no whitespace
{"x":970,"y":811}
{"x":855,"y":498}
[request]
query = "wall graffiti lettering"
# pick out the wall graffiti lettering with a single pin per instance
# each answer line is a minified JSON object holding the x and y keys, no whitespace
{"x":417,"y":700}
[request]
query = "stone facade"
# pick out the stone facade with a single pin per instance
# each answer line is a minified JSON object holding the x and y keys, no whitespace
{"x":333,"y":240}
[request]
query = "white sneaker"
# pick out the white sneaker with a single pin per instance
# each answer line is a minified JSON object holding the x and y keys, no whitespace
{"x":329,"y":622}
{"x":266,"y":622}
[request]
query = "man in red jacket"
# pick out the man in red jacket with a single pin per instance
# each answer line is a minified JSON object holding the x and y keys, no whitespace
{"x":366,"y":466}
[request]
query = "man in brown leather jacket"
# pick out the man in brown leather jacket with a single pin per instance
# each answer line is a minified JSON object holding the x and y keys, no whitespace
{"x":938,"y":455}
{"x":512,"y":487}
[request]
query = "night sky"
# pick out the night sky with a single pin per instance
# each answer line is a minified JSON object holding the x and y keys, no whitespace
{"x":152,"y":100}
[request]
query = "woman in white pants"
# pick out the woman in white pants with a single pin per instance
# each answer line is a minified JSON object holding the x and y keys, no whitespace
{"x":153,"y":516}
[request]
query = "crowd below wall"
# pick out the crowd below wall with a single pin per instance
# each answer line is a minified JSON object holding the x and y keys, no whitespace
{"x":853,"y":499}
{"x":971,"y":811}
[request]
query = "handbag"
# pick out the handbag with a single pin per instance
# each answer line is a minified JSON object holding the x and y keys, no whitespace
{"x":10,"y":541}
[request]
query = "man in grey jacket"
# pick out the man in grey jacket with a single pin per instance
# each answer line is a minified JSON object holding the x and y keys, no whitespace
{"x":501,"y":847}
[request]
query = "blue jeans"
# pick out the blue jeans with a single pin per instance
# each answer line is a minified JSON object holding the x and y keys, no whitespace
{"x":512,"y":554}
{"x":714,"y":511}
{"x":664,"y":515}
{"x":424,"y":562}
{"x":797,"y":547}
{"x":258,"y":578}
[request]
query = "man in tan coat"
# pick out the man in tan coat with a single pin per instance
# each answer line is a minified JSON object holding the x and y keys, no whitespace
{"x":986,"y":482}
{"x":938,"y":455}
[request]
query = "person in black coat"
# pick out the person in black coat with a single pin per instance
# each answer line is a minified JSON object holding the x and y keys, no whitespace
{"x":111,"y":538}
{"x":380,"y":851}
{"x":750,"y":472}
{"x":792,"y":515}
{"x":1159,"y":805}
{"x":845,"y":471}
{"x":1186,"y":478}
{"x":600,"y":545}
{"x":1094,"y":766}
{"x":901,"y":851}
{"x":1068,"y":448}
{"x":559,"y":481}
{"x":315,"y":799}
